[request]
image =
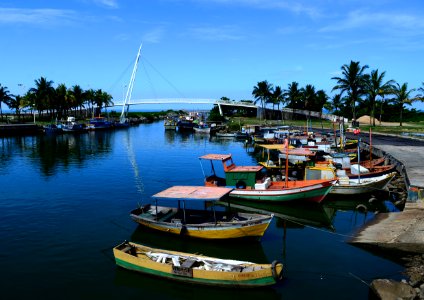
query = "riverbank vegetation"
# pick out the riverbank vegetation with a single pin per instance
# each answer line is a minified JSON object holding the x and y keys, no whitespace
{"x":355,"y":93}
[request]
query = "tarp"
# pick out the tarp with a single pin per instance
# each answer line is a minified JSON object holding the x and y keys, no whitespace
{"x":194,"y":193}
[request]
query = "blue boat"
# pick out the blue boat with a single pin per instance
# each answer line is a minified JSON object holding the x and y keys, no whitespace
{"x":99,"y":123}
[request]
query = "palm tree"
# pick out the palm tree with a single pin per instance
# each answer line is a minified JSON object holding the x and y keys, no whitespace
{"x":308,"y":99}
{"x":336,"y":103}
{"x":101,"y":99}
{"x":278,"y":96}
{"x":352,"y":82}
{"x":376,"y":87}
{"x":293,"y":96}
{"x":262,"y":92}
{"x":5,"y":97}
{"x":402,"y":96}
{"x":78,"y":97}
{"x":15,"y":104}
{"x":43,"y":94}
{"x":420,"y":97}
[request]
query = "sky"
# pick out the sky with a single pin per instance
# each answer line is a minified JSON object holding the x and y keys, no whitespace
{"x":207,"y":48}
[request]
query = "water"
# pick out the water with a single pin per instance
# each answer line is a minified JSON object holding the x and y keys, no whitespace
{"x":66,"y":199}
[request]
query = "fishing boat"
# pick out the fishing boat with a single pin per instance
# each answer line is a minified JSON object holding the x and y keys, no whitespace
{"x":193,"y":268}
{"x":202,"y":128}
{"x":350,"y":186}
{"x":99,"y":123}
{"x":204,"y":224}
{"x":252,"y":184}
{"x":226,"y":135}
{"x":170,"y":124}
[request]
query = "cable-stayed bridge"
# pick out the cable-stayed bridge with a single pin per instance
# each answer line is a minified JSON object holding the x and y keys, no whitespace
{"x":169,"y":101}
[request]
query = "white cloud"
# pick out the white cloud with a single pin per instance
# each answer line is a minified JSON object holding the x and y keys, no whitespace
{"x":36,"y":16}
{"x":381,"y":20}
{"x":294,"y":6}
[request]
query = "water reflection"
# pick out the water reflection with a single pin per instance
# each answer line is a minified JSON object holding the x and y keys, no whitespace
{"x":53,"y":152}
{"x":299,"y":214}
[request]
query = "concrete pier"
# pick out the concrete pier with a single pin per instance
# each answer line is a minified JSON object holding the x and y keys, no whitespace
{"x":403,"y":231}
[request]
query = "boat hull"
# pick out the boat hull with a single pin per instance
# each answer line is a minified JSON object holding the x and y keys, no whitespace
{"x":264,"y":276}
{"x":313,"y":193}
{"x":253,"y":227}
{"x":368,"y":185}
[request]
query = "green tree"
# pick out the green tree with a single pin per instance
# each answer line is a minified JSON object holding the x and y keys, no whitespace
{"x":262,"y":92}
{"x":102,"y":99}
{"x":307,"y":95}
{"x":15,"y":104}
{"x":420,"y":97}
{"x":5,"y":97}
{"x":293,"y":96}
{"x":43,"y":94}
{"x":78,"y":98}
{"x":376,"y":87}
{"x":336,"y":103}
{"x":352,"y":82}
{"x":278,"y":96}
{"x":402,"y":97}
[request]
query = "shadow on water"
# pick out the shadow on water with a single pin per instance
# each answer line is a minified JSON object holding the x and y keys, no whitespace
{"x":153,"y":288}
{"x":240,"y":249}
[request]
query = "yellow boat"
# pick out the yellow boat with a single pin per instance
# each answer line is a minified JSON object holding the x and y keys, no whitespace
{"x":205,"y":224}
{"x":198,"y":269}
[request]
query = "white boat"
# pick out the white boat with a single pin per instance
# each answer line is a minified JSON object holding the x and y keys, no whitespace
{"x":204,"y":129}
{"x":349,"y":186}
{"x":226,"y":134}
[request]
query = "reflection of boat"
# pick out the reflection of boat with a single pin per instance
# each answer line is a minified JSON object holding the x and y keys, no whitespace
{"x":199,"y":223}
{"x":192,"y":268}
{"x":313,"y":214}
{"x":251,"y":184}
{"x":355,"y":204}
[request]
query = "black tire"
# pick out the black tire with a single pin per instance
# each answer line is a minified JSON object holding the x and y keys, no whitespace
{"x":241,"y":184}
{"x":276,"y":276}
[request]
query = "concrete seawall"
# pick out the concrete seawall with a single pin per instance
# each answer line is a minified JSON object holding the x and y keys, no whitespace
{"x":400,"y":231}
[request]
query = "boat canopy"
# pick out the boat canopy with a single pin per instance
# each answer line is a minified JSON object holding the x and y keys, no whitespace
{"x":216,"y":156}
{"x":194,"y":193}
{"x":274,"y":146}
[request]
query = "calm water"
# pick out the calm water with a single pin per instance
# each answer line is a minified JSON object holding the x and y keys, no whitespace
{"x":66,"y":199}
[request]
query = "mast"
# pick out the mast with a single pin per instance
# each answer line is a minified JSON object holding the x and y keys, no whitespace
{"x":130,"y":88}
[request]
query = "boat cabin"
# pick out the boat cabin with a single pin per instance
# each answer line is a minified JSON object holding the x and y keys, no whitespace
{"x":238,"y":176}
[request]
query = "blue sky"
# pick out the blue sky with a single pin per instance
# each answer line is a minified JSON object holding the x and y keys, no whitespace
{"x":207,"y":48}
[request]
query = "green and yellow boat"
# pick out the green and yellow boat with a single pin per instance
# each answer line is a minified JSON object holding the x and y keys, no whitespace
{"x":197,"y":269}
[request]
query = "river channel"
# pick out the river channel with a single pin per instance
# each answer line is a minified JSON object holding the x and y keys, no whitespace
{"x":66,"y":199}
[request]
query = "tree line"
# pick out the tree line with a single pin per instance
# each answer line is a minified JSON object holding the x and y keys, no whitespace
{"x":355,"y":88}
{"x":59,"y":102}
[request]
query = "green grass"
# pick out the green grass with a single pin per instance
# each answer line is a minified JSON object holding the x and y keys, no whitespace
{"x":411,"y":127}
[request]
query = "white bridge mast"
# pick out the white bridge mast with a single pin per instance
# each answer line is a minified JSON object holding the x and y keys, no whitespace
{"x":122,"y":119}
